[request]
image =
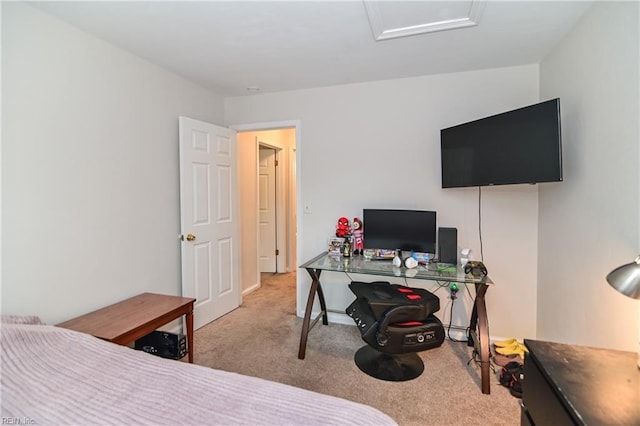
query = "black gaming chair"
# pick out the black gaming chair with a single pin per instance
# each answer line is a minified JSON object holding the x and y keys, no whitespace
{"x":396,"y":322}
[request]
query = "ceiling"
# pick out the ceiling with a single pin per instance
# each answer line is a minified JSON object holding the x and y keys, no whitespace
{"x":269,"y":46}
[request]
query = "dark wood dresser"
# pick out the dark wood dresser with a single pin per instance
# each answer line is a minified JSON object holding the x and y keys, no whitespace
{"x":579,"y":385}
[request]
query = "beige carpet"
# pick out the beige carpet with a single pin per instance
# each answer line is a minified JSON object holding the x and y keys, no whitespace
{"x":261,"y":338}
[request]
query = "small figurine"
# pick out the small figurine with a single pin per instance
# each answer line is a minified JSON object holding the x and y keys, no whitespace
{"x":335,"y":246}
{"x":346,"y":247}
{"x":343,"y":228}
{"x":358,"y":237}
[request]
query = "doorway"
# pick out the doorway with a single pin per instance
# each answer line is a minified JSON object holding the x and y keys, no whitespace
{"x":263,"y":221}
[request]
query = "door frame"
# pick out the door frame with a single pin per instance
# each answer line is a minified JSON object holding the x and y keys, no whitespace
{"x":276,"y":125}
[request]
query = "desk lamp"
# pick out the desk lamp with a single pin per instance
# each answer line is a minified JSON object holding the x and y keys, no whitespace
{"x":626,"y":280}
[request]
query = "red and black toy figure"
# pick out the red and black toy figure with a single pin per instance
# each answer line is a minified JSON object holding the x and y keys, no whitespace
{"x":343,"y":229}
{"x":358,"y":236}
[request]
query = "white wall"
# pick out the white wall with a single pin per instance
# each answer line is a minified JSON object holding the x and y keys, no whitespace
{"x":590,"y":223}
{"x":89,"y":168}
{"x":378,"y":145}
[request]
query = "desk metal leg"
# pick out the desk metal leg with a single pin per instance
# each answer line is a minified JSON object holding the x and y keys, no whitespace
{"x":480,"y":339}
{"x":307,"y":324}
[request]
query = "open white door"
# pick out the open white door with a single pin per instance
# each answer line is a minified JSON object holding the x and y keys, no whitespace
{"x":267,"y":209}
{"x":209,"y":219}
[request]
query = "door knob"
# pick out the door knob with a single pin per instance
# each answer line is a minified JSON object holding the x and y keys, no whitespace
{"x":191,"y":237}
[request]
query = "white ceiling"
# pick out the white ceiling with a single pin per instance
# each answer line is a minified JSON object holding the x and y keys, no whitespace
{"x":228,"y":46}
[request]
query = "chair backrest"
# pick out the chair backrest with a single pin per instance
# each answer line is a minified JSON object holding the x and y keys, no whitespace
{"x":383,"y":296}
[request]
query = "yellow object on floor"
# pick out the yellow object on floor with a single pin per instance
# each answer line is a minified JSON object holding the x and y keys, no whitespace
{"x":513,"y":349}
{"x":504,"y":343}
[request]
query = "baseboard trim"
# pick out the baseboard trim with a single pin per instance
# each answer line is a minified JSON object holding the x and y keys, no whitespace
{"x":333,"y":317}
{"x":251,"y":289}
{"x":339,"y":318}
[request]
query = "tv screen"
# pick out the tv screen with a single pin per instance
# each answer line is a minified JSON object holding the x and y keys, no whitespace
{"x":519,"y":146}
{"x":409,"y":230}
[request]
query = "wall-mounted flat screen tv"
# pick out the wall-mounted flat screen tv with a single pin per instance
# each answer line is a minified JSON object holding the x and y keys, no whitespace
{"x":408,"y":230}
{"x":515,"y":147}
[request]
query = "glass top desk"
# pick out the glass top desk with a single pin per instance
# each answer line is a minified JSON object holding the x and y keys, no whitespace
{"x":478,"y":325}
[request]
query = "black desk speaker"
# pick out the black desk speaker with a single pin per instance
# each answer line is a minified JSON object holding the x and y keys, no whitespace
{"x":448,"y":245}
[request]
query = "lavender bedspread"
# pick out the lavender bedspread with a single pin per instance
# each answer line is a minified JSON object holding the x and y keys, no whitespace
{"x":50,"y":375}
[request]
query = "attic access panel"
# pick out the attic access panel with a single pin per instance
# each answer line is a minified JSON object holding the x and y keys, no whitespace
{"x":393,"y":19}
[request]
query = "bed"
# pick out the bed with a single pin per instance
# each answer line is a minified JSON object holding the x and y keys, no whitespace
{"x":51,"y":375}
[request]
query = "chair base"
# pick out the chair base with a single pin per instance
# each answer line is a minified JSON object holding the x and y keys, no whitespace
{"x":393,"y":368}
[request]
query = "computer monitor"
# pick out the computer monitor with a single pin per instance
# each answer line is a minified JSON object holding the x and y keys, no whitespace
{"x":407,"y":230}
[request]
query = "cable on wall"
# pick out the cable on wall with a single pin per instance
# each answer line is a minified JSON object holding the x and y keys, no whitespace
{"x":480,"y":222}
{"x":450,"y":323}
